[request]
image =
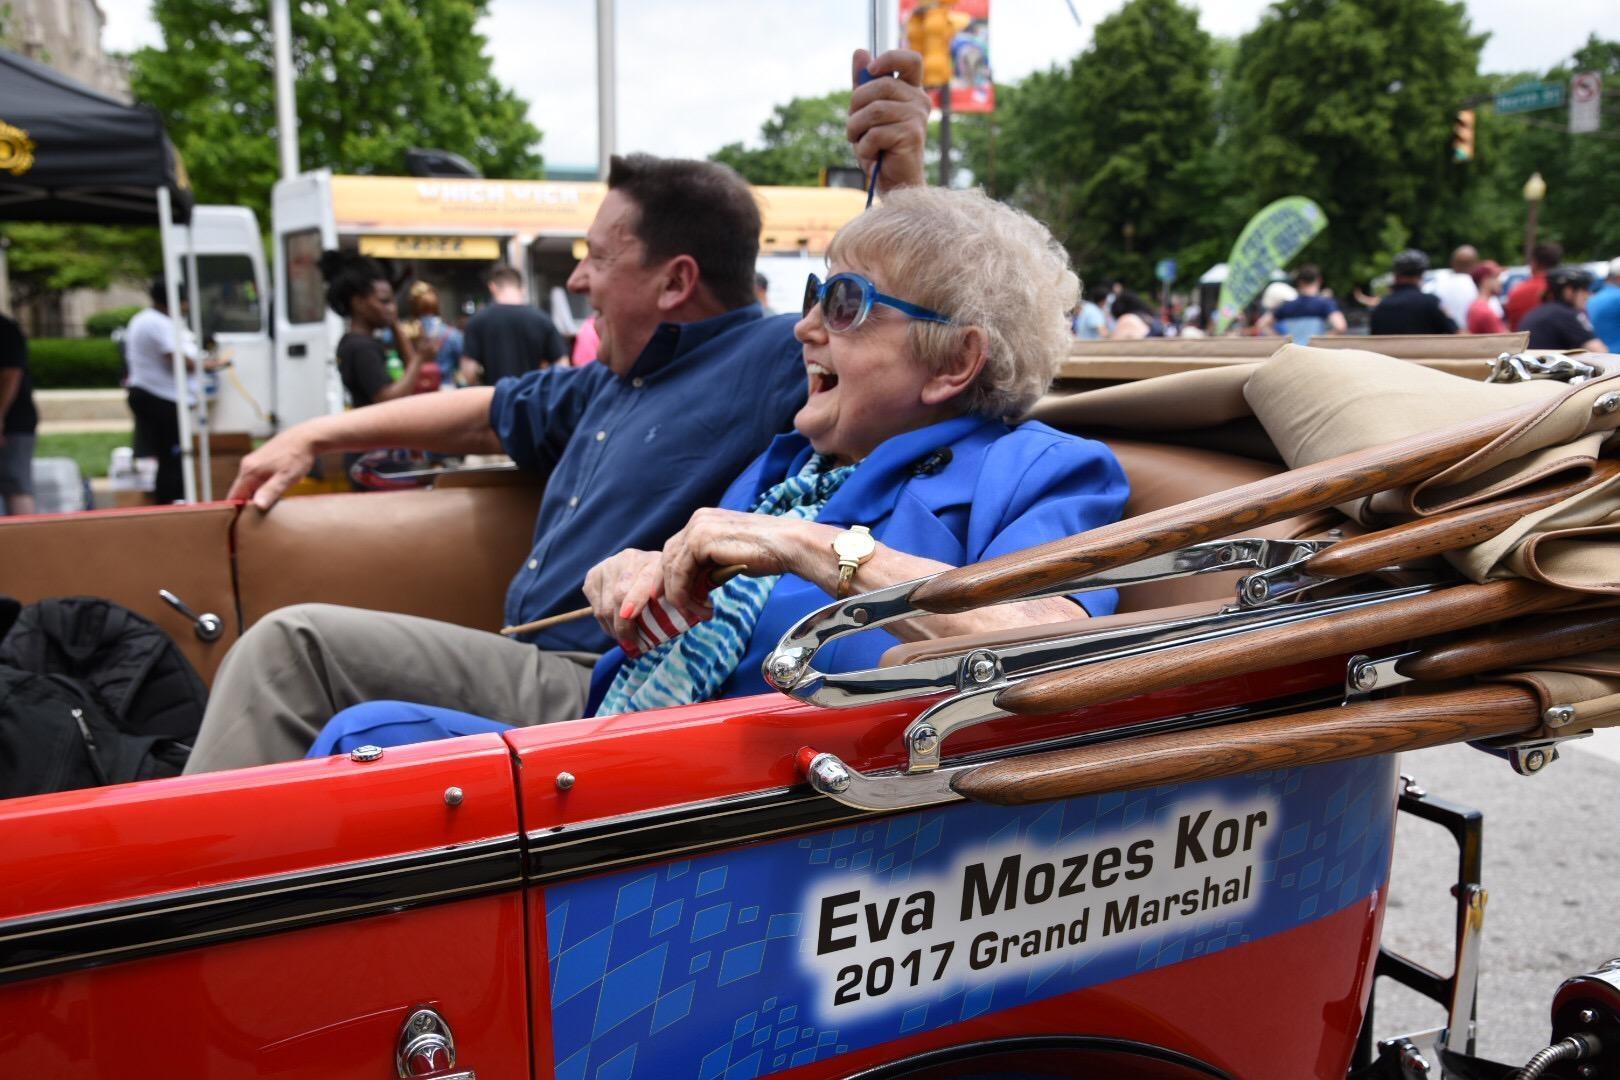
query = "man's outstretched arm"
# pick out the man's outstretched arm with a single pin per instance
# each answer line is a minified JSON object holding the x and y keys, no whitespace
{"x":455,"y":423}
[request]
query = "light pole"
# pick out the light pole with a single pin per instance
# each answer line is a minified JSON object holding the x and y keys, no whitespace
{"x":1535,"y":189}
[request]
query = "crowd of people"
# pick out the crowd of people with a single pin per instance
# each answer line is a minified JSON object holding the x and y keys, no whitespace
{"x":1558,"y":306}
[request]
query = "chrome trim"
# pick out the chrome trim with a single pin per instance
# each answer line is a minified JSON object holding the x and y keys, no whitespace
{"x":76,"y":938}
{"x":426,"y":1035}
{"x":1363,"y":674}
{"x":844,"y":690}
{"x":1524,"y":367}
{"x":882,"y":791}
{"x":977,"y":705}
{"x":788,"y":667}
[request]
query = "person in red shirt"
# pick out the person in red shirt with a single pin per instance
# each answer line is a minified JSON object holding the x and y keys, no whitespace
{"x":1482,"y":316}
{"x":1527,"y":294}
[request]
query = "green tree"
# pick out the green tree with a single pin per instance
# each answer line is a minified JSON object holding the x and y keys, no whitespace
{"x":1580,"y":210}
{"x":374,"y":78}
{"x":1351,"y":103}
{"x":1113,"y":151}
{"x":797,"y":142}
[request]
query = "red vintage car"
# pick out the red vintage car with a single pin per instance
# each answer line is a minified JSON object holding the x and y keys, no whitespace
{"x":928,"y":869}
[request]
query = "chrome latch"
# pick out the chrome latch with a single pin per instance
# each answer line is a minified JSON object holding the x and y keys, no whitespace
{"x":427,"y":1049}
{"x":1524,"y":367}
{"x":1363,"y":674}
{"x":207,"y":626}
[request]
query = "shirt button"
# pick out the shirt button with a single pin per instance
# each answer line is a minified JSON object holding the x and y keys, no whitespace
{"x":534,"y":564}
{"x":637,"y":382}
{"x":573,"y":501}
{"x":600,"y":435}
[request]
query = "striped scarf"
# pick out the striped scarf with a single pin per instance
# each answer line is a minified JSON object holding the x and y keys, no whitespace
{"x":691,"y":665}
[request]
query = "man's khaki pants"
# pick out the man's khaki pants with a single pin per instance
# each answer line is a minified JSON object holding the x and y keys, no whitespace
{"x":299,"y":666}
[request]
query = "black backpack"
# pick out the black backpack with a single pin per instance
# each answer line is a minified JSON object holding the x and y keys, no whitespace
{"x":91,"y":693}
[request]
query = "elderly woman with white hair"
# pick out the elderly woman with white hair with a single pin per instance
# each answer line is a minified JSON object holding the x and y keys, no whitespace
{"x":943,"y":319}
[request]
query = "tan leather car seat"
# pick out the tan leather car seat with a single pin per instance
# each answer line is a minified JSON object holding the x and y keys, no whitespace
{"x":445,"y":554}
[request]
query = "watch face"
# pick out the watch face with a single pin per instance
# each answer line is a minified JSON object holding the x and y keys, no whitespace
{"x":854,"y":545}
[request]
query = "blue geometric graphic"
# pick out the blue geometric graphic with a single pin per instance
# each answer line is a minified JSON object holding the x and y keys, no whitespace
{"x":721,"y":967}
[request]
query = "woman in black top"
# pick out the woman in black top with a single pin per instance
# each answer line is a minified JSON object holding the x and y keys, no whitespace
{"x":1559,"y":322}
{"x":357,"y":289}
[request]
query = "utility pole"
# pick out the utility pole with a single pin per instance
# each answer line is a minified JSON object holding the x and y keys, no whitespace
{"x":606,"y":112}
{"x":945,"y":136}
{"x":286,"y":102}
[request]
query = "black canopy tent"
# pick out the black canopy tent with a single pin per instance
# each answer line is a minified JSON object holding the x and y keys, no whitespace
{"x":70,"y":154}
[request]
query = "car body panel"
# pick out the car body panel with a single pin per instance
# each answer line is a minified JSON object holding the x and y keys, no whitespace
{"x":275,"y":921}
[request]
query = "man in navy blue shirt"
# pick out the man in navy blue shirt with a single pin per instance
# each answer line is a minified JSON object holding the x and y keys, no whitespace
{"x":1308,"y":314}
{"x":693,"y":382}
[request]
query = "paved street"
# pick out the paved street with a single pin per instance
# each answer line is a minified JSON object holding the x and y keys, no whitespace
{"x":1552,"y":867}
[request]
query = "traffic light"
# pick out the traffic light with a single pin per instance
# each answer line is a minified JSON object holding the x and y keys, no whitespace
{"x":929,"y":31}
{"x":1462,"y":136}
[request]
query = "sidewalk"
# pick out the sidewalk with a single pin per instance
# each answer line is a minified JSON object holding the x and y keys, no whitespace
{"x":65,"y":411}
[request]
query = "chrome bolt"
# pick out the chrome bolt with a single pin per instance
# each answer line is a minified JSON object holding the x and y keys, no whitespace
{"x":785,"y":668}
{"x":829,"y":775}
{"x":925,"y":740}
{"x":1535,"y":760}
{"x":860,"y":616}
{"x":1365,"y":677}
{"x":453,"y":796}
{"x":981,"y":668}
{"x":565,"y":780}
{"x":366,"y":753}
{"x":1606,"y":404}
{"x":1256,"y":590}
{"x":1559,"y":715}
{"x":1588,"y":1016}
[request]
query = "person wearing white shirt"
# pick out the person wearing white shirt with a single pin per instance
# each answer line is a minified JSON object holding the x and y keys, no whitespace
{"x":1456,"y":290}
{"x":149,"y":349}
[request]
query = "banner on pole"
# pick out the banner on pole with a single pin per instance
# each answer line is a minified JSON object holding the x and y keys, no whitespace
{"x":1585,"y":102}
{"x":1268,"y":242}
{"x":971,"y":88}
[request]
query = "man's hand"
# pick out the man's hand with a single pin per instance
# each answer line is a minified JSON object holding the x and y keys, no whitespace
{"x":269,"y":471}
{"x":472,"y":372}
{"x":890,"y":116}
{"x":618,"y":588}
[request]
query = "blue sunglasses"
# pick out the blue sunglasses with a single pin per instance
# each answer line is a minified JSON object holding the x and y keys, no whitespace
{"x":847,"y":299}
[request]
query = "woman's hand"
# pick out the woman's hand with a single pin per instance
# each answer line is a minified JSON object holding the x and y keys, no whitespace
{"x":713,"y":539}
{"x":619,"y":587}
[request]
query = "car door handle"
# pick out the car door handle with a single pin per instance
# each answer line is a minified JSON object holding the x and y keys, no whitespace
{"x":427,"y":1049}
{"x":207,"y":625}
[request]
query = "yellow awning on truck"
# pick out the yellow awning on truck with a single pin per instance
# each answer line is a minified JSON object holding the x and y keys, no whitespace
{"x":423,"y":246}
{"x":794,"y":219}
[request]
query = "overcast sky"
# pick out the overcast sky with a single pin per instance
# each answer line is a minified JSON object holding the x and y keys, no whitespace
{"x":698,"y":74}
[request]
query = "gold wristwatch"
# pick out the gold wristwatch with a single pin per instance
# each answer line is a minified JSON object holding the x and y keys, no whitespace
{"x":853,"y":547}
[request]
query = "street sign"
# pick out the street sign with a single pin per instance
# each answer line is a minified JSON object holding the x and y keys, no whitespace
{"x":1165,"y":271}
{"x":1585,"y":102}
{"x":1530,"y":96}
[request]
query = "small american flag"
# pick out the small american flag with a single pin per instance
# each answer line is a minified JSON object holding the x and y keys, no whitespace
{"x":658,"y":622}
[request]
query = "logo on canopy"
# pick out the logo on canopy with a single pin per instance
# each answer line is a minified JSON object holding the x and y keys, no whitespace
{"x":16,"y":149}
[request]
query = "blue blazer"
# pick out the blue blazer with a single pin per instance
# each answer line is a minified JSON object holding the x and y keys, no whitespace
{"x":960,"y":491}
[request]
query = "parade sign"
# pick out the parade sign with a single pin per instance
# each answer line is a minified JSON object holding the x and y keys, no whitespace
{"x":968,"y":24}
{"x":1530,"y":96}
{"x":1585,"y":102}
{"x":773,"y":955}
{"x":1268,"y":242}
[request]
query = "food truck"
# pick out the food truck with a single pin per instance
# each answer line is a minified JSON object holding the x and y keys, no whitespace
{"x":450,"y":231}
